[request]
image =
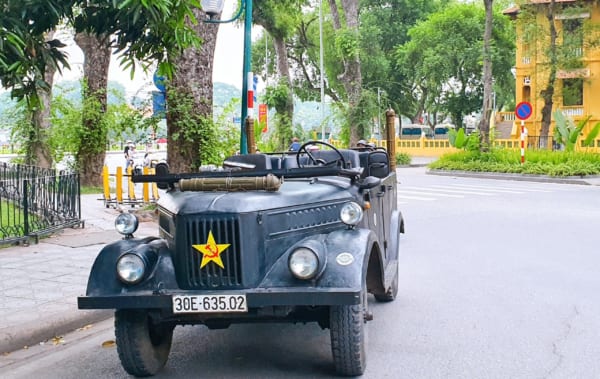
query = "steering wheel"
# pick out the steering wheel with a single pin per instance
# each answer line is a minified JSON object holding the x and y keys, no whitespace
{"x":318,"y":161}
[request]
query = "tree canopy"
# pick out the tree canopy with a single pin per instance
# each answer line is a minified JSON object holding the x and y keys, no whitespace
{"x":143,"y":30}
{"x":444,"y":59}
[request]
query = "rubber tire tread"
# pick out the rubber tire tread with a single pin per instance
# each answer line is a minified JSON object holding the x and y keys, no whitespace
{"x":347,"y":330}
{"x":139,"y":356}
{"x":390,"y":294}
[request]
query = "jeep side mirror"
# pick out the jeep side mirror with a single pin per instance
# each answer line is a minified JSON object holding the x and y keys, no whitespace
{"x":369,"y":182}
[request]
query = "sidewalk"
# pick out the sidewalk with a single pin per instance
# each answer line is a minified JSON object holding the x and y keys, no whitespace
{"x":39,"y":284}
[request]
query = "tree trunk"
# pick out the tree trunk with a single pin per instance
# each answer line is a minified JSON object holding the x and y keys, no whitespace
{"x":548,"y":93}
{"x":287,"y":113}
{"x":484,"y":124}
{"x":91,"y":153}
{"x":352,"y":76}
{"x":38,"y":152}
{"x":192,"y":84}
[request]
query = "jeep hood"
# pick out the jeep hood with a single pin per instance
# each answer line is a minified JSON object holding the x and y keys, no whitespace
{"x":291,"y":193}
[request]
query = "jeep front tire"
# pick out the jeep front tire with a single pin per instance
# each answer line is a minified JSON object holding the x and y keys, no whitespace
{"x":348,"y":337}
{"x":143,"y":346}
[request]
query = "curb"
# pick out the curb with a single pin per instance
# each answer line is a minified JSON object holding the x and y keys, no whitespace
{"x":33,"y":333}
{"x":516,"y":177}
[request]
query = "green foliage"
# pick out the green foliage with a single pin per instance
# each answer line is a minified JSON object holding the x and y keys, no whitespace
{"x":146,"y":30}
{"x":277,"y":96}
{"x":435,"y":57}
{"x":460,"y":140}
{"x":22,"y":126}
{"x":228,"y":141}
{"x":193,"y":129}
{"x":591,"y":137}
{"x":538,"y":162}
{"x":347,"y":43}
{"x":403,"y":159}
{"x":565,"y":131}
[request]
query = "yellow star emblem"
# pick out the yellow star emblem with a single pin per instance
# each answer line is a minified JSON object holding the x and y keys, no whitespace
{"x":211,"y":251}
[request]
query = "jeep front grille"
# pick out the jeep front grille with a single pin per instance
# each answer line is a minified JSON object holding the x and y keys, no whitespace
{"x":225,"y":230}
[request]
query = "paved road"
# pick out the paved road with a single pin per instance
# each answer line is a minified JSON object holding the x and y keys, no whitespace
{"x":498,"y":280}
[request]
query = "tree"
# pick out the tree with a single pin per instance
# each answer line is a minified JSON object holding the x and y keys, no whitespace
{"x":447,"y":67}
{"x":144,"y":30}
{"x":96,"y":50}
{"x":192,"y":138}
{"x":37,"y":151}
{"x":484,"y":124}
{"x":347,"y":39}
{"x":147,"y":31}
{"x":280,"y":19}
{"x":384,"y":27}
{"x":25,"y":52}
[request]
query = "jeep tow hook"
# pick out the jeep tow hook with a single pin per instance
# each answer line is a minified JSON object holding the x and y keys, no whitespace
{"x":368,"y":316}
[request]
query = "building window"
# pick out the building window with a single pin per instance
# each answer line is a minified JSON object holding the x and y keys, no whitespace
{"x":573,"y":37}
{"x":572,"y":92}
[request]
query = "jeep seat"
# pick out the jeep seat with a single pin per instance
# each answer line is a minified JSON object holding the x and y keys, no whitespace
{"x":350,"y":156}
{"x":375,"y":163}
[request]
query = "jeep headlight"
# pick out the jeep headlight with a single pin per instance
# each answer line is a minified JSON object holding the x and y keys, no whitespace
{"x":303,"y":263}
{"x":351,"y":213}
{"x":131,"y":268}
{"x":126,"y":223}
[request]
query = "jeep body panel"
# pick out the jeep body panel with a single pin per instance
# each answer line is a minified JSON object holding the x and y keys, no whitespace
{"x":247,"y":236}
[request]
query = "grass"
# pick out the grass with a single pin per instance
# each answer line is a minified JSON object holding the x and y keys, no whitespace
{"x":87,"y":190}
{"x":537,"y":162}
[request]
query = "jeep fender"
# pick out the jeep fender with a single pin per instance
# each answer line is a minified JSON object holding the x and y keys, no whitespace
{"x":396,"y":227}
{"x":346,"y":254}
{"x":103,"y":278}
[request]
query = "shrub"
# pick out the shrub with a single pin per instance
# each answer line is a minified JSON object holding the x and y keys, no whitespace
{"x":402,"y":159}
{"x":539,"y":162}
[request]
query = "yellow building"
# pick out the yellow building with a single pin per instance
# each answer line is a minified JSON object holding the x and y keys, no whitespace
{"x":577,"y":85}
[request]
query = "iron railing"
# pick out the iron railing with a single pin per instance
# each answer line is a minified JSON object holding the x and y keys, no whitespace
{"x":35,"y":201}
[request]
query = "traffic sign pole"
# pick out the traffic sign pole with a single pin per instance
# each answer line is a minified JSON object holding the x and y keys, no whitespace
{"x":523,"y":111}
{"x":522,"y":141}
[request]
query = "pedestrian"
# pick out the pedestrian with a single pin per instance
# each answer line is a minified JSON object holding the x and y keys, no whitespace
{"x":295,"y":146}
{"x":129,"y":154}
{"x":147,"y":161}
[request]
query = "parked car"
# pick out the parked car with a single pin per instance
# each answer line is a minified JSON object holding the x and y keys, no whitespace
{"x":441,"y":131}
{"x":415,"y":131}
{"x":287,"y":237}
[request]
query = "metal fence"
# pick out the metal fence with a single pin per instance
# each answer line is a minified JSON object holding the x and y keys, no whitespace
{"x":35,"y":201}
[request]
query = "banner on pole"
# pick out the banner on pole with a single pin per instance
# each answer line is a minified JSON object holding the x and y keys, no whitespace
{"x":263,"y":117}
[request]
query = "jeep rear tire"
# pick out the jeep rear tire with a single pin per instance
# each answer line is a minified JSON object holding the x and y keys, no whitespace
{"x":143,"y":346}
{"x":391,"y":292}
{"x":349,"y":337}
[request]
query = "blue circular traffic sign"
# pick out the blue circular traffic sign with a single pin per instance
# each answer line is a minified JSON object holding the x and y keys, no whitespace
{"x":523,"y":110}
{"x":159,"y":81}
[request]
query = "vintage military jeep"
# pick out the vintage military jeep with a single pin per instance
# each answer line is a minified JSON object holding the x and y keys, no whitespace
{"x":290,"y":237}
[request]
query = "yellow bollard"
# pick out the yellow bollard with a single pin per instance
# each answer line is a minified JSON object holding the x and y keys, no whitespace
{"x":145,"y":195}
{"x":154,"y":186}
{"x":119,"y":185}
{"x":130,"y":185}
{"x":105,"y":184}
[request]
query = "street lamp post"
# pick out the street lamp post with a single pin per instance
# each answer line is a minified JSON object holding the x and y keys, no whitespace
{"x":213,"y":8}
{"x":322,"y":78}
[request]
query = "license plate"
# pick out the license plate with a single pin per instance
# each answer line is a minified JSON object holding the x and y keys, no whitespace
{"x":209,"y":303}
